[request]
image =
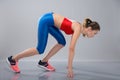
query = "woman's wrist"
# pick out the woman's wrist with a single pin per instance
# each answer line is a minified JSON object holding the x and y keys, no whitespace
{"x":69,"y":68}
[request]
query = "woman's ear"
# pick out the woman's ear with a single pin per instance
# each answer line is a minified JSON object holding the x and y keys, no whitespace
{"x":89,"y":28}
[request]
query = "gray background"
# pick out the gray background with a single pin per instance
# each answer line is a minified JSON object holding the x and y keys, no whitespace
{"x":18,"y":27}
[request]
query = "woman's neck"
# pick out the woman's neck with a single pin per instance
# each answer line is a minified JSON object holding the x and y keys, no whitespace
{"x":82,"y":29}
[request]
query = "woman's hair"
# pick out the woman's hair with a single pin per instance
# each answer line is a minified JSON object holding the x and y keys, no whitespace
{"x":89,"y":23}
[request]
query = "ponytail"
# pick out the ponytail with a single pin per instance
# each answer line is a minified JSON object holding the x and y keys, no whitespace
{"x":89,"y":23}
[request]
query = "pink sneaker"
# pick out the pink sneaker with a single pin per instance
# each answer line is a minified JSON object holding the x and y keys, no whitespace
{"x":46,"y":66}
{"x":13,"y":65}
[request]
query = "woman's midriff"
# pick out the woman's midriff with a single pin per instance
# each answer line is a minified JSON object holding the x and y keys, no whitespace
{"x":58,"y":19}
{"x":63,"y":24}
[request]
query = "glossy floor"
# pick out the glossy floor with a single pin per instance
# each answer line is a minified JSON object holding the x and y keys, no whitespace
{"x":82,"y":71}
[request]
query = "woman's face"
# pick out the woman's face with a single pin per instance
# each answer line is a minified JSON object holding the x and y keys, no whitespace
{"x":91,"y":33}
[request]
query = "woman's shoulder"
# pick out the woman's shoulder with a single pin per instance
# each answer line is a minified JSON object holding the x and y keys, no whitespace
{"x":76,"y":25}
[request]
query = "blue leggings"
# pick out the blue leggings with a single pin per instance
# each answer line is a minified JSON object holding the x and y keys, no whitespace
{"x":45,"y":26}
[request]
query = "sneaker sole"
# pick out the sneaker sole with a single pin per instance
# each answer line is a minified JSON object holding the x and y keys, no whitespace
{"x":10,"y":66}
{"x":45,"y":68}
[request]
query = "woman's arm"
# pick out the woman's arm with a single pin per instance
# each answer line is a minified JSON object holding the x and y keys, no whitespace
{"x":75,"y":36}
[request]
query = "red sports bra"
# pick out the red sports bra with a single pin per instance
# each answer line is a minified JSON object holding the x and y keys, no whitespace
{"x":66,"y":26}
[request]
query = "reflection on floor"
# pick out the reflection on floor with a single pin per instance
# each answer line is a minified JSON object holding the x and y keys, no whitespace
{"x":82,"y":71}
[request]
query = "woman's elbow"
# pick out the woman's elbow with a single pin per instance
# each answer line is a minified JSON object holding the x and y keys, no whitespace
{"x":71,"y":49}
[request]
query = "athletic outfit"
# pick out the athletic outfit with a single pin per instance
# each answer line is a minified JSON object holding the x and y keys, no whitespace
{"x":45,"y":26}
{"x":66,"y":26}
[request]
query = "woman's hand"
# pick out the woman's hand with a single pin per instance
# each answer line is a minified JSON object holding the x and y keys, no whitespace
{"x":70,"y":73}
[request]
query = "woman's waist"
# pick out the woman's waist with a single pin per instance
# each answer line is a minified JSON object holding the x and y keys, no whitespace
{"x":58,"y":20}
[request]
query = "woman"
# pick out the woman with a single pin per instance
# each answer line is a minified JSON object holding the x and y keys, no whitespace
{"x":52,"y":23}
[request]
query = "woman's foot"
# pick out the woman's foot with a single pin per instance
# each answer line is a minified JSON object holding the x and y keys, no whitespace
{"x":46,"y":66}
{"x":13,"y":64}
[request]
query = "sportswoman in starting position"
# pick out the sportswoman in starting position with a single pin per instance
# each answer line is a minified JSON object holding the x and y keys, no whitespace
{"x":52,"y":23}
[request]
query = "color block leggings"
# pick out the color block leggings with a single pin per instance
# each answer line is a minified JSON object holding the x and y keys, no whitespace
{"x":45,"y":26}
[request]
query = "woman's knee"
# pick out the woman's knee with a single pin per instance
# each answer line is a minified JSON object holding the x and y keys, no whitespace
{"x":62,"y":42}
{"x":40,"y":50}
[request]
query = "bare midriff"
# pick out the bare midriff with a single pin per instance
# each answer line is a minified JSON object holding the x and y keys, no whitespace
{"x":58,"y":19}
